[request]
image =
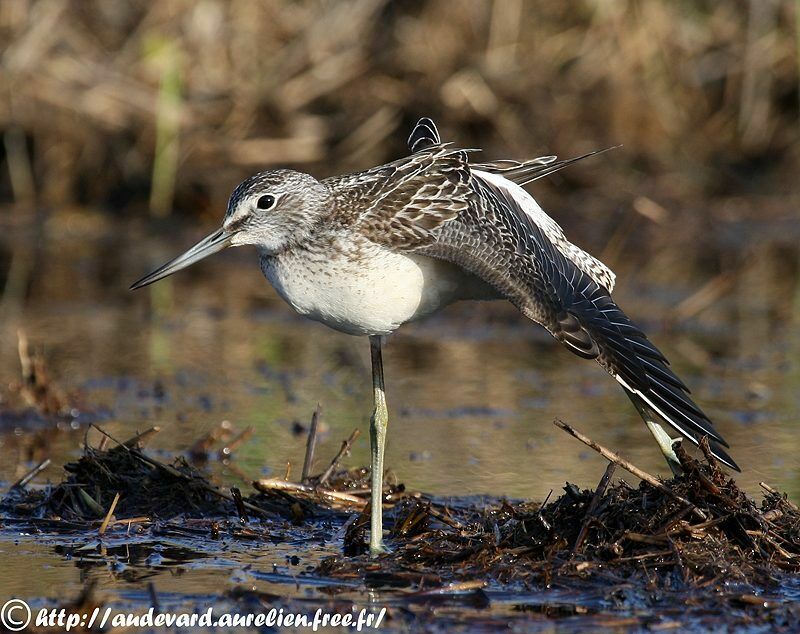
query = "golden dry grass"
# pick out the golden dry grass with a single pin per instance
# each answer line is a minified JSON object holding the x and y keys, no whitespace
{"x":126,"y":101}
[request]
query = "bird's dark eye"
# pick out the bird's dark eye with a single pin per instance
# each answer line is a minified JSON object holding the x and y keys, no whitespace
{"x":266,"y":202}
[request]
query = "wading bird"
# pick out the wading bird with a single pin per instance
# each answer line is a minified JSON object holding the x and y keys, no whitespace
{"x":367,"y":252}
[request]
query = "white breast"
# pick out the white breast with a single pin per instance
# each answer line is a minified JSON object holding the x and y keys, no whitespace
{"x":366,"y":291}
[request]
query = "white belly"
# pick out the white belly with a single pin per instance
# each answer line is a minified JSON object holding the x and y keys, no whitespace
{"x":372,"y":295}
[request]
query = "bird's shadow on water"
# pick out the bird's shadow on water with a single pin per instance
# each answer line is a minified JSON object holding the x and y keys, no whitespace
{"x":694,"y":551}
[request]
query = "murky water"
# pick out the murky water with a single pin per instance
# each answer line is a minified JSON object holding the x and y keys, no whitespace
{"x":472,"y":391}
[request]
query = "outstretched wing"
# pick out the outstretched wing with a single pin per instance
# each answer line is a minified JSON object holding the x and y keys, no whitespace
{"x":506,"y":239}
{"x":426,"y":135}
{"x":524,"y":172}
{"x":477,"y":216}
{"x":403,"y":204}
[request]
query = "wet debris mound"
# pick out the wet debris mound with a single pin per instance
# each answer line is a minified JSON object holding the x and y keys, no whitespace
{"x":124,"y":479}
{"x":119,"y":482}
{"x":166,"y":490}
{"x":696,"y":537}
{"x":697,"y":530}
{"x":723,"y":535}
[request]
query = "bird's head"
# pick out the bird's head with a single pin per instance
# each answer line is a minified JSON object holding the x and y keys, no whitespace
{"x":275,"y":209}
{"x":271,"y":210}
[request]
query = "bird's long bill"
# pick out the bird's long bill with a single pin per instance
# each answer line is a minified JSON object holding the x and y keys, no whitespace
{"x":209,"y":245}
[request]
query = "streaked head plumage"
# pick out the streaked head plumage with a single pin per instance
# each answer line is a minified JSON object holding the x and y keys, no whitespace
{"x":274,"y":209}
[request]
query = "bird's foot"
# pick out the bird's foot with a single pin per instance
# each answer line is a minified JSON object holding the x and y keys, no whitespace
{"x":672,"y":459}
{"x":378,"y":549}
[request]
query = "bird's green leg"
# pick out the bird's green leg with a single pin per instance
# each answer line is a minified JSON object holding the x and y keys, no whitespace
{"x":665,"y":444}
{"x":662,"y":437}
{"x":377,"y":436}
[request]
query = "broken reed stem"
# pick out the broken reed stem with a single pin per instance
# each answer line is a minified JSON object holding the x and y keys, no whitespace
{"x":110,"y":513}
{"x":629,"y":467}
{"x":457,"y":587}
{"x":237,"y":441}
{"x":141,"y":438}
{"x":24,"y":480}
{"x":311,"y":444}
{"x":237,"y":499}
{"x":343,"y":451}
{"x":598,"y":494}
{"x":201,"y":447}
{"x":266,"y":485}
{"x":25,"y":361}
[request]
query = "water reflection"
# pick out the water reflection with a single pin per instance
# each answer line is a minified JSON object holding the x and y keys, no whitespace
{"x":473,"y":390}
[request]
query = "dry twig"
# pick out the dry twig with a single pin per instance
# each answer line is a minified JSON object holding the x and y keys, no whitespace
{"x":629,"y":467}
{"x":343,"y":451}
{"x":598,"y":494}
{"x":311,"y":444}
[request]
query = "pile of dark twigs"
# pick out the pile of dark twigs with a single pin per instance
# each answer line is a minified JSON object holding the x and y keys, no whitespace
{"x":696,"y":530}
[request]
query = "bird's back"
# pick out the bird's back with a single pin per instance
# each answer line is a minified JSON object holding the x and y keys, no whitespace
{"x":407,"y":204}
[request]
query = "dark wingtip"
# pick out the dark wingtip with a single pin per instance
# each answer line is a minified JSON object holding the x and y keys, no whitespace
{"x":720,"y":454}
{"x":530,"y":171}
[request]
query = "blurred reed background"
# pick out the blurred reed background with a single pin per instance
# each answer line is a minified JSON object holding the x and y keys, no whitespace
{"x":162,"y":107}
{"x":165,"y":104}
{"x":132,"y":119}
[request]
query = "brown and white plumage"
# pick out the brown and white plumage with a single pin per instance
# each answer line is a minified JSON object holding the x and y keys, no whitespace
{"x":367,"y":252}
{"x":438,"y":204}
